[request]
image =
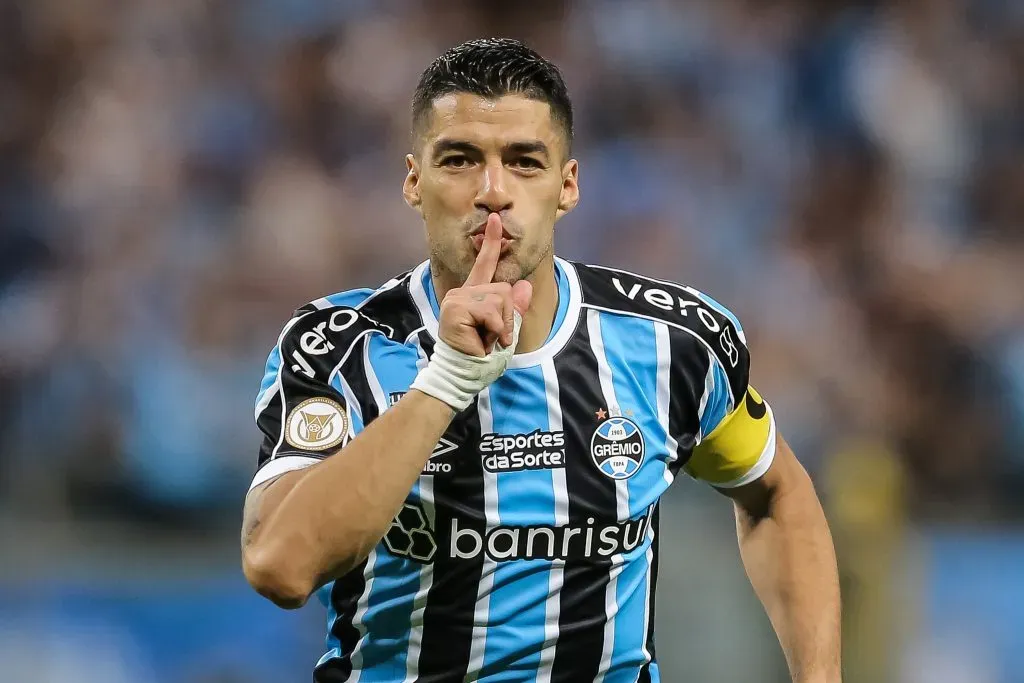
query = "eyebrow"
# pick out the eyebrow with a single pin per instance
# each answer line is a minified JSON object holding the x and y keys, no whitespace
{"x":447,"y":145}
{"x":530,"y":147}
{"x":523,"y":147}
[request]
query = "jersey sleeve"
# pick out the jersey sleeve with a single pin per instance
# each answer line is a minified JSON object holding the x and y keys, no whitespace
{"x":735,"y":443}
{"x":301,"y":411}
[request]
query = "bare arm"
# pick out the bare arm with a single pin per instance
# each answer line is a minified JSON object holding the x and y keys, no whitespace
{"x":310,"y":526}
{"x":313,"y":525}
{"x":788,"y":554}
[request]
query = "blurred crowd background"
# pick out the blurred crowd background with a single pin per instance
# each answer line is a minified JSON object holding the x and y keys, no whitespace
{"x":177,"y":177}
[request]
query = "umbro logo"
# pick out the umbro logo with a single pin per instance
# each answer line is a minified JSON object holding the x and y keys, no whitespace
{"x":438,"y":464}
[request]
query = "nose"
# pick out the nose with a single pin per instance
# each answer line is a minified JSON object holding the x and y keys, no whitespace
{"x":493,"y":195}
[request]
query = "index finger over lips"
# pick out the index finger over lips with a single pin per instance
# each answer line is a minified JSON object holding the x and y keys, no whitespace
{"x":487,"y":260}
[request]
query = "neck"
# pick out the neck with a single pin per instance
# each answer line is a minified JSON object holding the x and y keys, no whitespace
{"x":537,"y":321}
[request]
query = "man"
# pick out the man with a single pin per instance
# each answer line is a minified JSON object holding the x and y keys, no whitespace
{"x":467,"y":461}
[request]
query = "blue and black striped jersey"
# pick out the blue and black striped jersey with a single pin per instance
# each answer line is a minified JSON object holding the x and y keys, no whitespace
{"x":528,"y":548}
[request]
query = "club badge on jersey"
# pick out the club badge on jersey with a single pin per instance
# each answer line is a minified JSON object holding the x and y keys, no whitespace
{"x":617,"y":447}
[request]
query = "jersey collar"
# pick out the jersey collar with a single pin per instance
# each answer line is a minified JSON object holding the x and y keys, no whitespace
{"x":421,"y":287}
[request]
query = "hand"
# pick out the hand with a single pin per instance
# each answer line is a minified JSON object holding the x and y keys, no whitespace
{"x":481,"y":312}
{"x":478,"y":330}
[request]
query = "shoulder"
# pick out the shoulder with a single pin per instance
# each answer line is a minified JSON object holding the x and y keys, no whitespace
{"x":388,"y":308}
{"x":321,"y":333}
{"x":685,"y":310}
{"x":676,"y":304}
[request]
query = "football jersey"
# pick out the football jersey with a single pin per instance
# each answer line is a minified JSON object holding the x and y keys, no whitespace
{"x":528,"y":548}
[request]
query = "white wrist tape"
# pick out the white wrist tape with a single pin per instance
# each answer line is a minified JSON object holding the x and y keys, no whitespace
{"x":456,"y":377}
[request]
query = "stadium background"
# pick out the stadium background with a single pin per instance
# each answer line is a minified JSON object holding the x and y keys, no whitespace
{"x":176,"y":177}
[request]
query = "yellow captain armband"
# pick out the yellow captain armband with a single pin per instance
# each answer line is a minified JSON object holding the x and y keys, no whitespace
{"x":740,"y":449}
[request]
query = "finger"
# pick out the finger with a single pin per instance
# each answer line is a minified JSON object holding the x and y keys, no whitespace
{"x":508,"y":316}
{"x":497,"y":294}
{"x":488,"y":322}
{"x":490,"y":250}
{"x":489,"y":341}
{"x":522,"y":294}
{"x":489,"y":318}
{"x":474,"y":345}
{"x":502,"y":288}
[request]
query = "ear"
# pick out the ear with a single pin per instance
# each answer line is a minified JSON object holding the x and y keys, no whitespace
{"x":569,"y":196}
{"x":411,"y":186}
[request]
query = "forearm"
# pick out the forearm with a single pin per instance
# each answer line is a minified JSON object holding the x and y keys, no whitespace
{"x":789,"y":557}
{"x":328,"y":521}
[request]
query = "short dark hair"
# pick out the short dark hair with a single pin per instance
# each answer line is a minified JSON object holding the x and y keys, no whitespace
{"x":492,"y":68}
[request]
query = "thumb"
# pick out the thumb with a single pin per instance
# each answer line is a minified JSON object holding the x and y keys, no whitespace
{"x":522,"y":293}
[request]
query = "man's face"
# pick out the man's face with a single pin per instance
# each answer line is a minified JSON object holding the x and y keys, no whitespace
{"x":477,"y":156}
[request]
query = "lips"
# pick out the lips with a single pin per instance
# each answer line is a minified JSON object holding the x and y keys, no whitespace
{"x":478,"y":242}
{"x":505,"y":234}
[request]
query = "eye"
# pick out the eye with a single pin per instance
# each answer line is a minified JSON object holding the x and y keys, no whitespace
{"x":528,"y":162}
{"x":455,"y":161}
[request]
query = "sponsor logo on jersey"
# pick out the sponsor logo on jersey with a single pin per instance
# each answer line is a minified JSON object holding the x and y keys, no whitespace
{"x":590,"y":541}
{"x":617,"y":447}
{"x":319,"y":339}
{"x":315,"y":342}
{"x":537,"y":450}
{"x":438,"y":464}
{"x":316,"y":424}
{"x":681,"y":302}
{"x":410,"y":535}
